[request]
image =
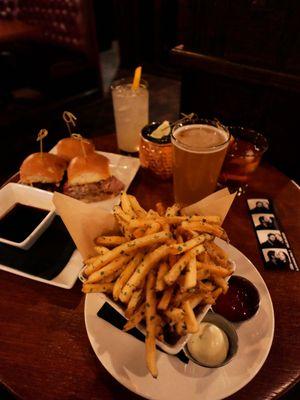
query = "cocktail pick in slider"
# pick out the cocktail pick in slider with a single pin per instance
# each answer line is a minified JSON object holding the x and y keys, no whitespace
{"x":137,"y":78}
{"x":69,"y":119}
{"x":77,"y":136}
{"x":41,"y":135}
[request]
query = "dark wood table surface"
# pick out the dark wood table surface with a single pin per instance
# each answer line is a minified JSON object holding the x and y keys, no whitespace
{"x":44,"y":349}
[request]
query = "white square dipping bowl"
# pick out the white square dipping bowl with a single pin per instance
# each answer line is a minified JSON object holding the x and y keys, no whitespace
{"x":14,"y":193}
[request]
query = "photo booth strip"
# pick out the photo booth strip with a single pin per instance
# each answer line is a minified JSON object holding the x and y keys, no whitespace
{"x":293,"y":266}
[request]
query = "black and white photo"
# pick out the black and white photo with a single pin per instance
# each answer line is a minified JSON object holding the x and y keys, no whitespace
{"x":264,"y":221}
{"x":270,"y":239}
{"x":277,"y":258}
{"x":259,"y":206}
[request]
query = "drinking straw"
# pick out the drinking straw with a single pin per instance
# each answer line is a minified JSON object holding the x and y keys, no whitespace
{"x":41,"y":135}
{"x":69,"y":119}
{"x":137,"y":78}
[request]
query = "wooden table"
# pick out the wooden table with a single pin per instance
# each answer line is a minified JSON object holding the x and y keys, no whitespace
{"x":44,"y":350}
{"x":15,"y":30}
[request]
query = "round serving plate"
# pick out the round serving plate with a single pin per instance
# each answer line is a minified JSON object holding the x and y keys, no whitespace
{"x":124,"y":356}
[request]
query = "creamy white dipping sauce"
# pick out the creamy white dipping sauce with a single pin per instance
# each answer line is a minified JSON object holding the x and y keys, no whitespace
{"x":209,"y":346}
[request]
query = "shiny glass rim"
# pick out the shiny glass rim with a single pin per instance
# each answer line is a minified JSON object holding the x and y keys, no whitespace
{"x":125,"y":81}
{"x":198,"y":148}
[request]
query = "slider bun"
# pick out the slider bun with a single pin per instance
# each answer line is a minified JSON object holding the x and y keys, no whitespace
{"x":92,"y":168}
{"x":43,"y":168}
{"x":69,"y":148}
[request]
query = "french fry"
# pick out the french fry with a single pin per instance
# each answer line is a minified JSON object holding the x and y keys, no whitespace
{"x":202,"y":274}
{"x":139,"y":232}
{"x":177,"y":268}
{"x":135,"y":319}
{"x":124,"y":228}
{"x":205,"y":228}
{"x":186,"y":246}
{"x":195,"y":299}
{"x":219,"y":281}
{"x":175,"y":314}
{"x":160,"y":208}
{"x":190,"y":277}
{"x":110,"y":268}
{"x":140,"y":212}
{"x":126,"y":205}
{"x":100,"y":250}
{"x":153,"y":228}
{"x":166,"y":298}
{"x":151,"y":324}
{"x":173,"y":210}
{"x":119,"y":212}
{"x":189,"y":317}
{"x":131,"y":246}
{"x":134,"y":301}
{"x":126,"y":274}
{"x":177,"y":219}
{"x":162,"y":270}
{"x":141,"y":223}
{"x":150,"y":260}
{"x":97,"y":287}
{"x":214,"y":269}
{"x":110,"y":241}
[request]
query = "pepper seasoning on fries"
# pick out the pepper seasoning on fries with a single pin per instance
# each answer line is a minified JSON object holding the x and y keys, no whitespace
{"x":160,"y":268}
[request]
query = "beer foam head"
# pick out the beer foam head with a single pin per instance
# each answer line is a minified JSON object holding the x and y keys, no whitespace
{"x":200,"y":138}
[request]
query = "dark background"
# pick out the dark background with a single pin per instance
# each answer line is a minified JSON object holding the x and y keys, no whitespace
{"x":237,"y":61}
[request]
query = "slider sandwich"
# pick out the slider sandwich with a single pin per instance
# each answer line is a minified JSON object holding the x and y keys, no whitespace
{"x":43,"y":170}
{"x":90,"y":180}
{"x":70,"y":147}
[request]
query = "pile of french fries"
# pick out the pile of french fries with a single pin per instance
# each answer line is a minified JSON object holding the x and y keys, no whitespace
{"x":160,"y":268}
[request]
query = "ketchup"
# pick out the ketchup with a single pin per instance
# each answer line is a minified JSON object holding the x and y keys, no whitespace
{"x":240,"y":302}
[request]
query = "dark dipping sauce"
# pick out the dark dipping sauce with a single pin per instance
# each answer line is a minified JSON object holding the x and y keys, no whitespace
{"x":240,"y":302}
{"x":20,"y":221}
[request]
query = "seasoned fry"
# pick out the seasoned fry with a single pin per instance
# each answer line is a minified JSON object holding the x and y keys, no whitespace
{"x":190,"y":277}
{"x":126,"y":247}
{"x":119,"y":212}
{"x":220,"y":282}
{"x":110,"y":268}
{"x":205,"y":228}
{"x":186,"y":246}
{"x":140,"y":212}
{"x":97,"y":287}
{"x":166,"y":298}
{"x":141,"y":223}
{"x":153,"y":228}
{"x":135,"y":319}
{"x":160,"y":208}
{"x":162,"y":270}
{"x":177,"y":268}
{"x":100,"y":250}
{"x":134,"y":301}
{"x":192,"y":325}
{"x":175,"y":314}
{"x":139,"y":232}
{"x":172,"y":211}
{"x":151,"y":324}
{"x":150,"y":260}
{"x":126,"y":205}
{"x":214,"y":269}
{"x":126,"y":274}
{"x":110,"y":241}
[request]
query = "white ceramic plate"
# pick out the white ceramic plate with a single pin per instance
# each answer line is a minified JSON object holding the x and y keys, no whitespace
{"x":124,"y":356}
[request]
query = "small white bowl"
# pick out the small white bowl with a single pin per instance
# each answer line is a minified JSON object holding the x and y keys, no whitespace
{"x":13,"y":193}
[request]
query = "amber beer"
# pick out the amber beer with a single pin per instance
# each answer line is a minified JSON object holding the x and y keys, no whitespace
{"x":199,"y":152}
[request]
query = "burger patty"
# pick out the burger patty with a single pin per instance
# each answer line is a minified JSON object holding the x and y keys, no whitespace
{"x":50,"y":187}
{"x":95,"y":191}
